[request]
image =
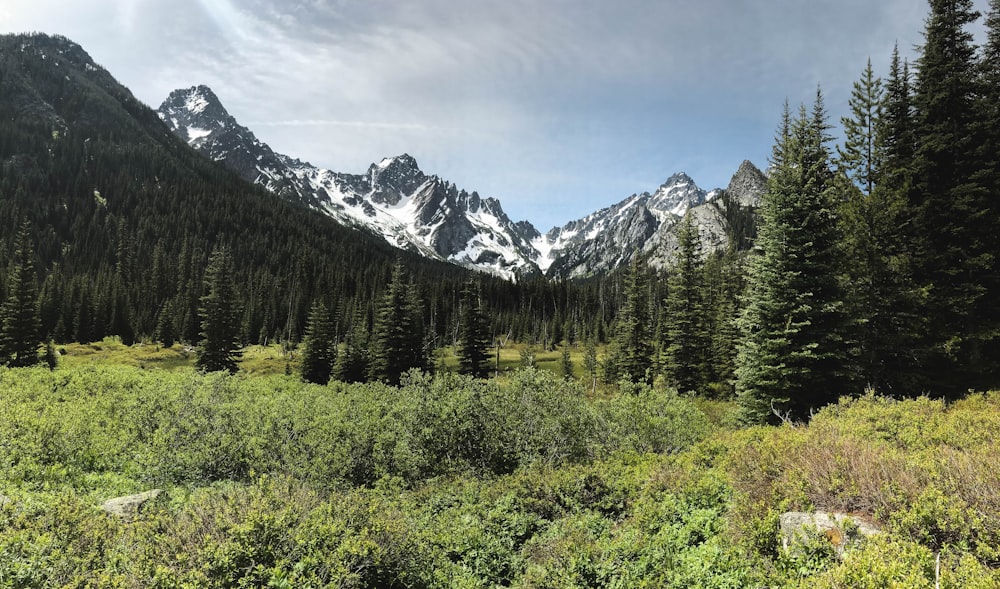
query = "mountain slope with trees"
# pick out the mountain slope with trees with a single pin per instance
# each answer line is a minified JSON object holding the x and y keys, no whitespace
{"x":124,"y":215}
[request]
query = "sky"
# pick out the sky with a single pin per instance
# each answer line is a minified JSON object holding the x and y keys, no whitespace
{"x":555,"y":107}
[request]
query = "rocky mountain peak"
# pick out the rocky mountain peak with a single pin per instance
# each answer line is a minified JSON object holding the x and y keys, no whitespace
{"x":677,"y":195}
{"x":394,"y":176}
{"x":747,"y":185}
{"x":678,"y":179}
{"x":195,"y":110}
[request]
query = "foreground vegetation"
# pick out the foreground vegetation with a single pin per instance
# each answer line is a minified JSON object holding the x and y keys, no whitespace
{"x":456,"y":482}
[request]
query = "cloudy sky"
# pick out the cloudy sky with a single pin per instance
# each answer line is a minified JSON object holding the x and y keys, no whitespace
{"x":555,"y":107}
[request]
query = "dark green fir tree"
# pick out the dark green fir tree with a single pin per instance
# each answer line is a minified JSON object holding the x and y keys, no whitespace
{"x":398,"y":335}
{"x":949,"y":208}
{"x":793,"y":355}
{"x":687,"y":351}
{"x":566,"y":363}
{"x":165,"y":332}
{"x":989,"y":121}
{"x":873,"y":163}
{"x":219,"y":349}
{"x":631,"y":353}
{"x":351,"y":364}
{"x":473,"y":334}
{"x":320,"y":351}
{"x":20,"y":324}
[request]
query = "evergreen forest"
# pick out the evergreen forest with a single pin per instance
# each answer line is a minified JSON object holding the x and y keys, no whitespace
{"x":841,"y":355}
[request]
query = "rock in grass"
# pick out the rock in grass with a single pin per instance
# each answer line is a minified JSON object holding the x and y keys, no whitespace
{"x":129,"y":506}
{"x":839,"y":528}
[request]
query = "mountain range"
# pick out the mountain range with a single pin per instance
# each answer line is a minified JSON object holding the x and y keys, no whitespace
{"x":414,"y":211}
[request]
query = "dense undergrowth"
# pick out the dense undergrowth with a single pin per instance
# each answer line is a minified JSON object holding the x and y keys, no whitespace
{"x":452,"y":482}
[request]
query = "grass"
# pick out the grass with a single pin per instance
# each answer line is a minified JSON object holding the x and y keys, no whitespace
{"x":274,"y":359}
{"x":258,"y":360}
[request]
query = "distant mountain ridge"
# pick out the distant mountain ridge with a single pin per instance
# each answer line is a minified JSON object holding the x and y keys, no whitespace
{"x":609,"y":238}
{"x":393,"y":198}
{"x":414,"y":211}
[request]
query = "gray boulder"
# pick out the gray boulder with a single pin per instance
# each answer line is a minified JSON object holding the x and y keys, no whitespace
{"x":841,"y":529}
{"x":129,"y":506}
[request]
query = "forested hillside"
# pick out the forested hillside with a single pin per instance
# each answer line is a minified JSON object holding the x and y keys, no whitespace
{"x":123,"y":218}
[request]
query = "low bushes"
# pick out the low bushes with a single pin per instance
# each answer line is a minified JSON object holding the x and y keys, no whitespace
{"x":454,"y":482}
{"x":928,"y":473}
{"x":174,"y":428}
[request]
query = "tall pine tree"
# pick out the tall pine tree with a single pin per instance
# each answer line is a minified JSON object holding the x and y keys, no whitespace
{"x":20,"y":324}
{"x":724,"y":281}
{"x":860,"y":157}
{"x":220,"y":317}
{"x":631,"y":354}
{"x":351,"y":364}
{"x":473,"y":334}
{"x":320,"y":351}
{"x":687,"y":351}
{"x":949,"y":206}
{"x":398,"y":336}
{"x":870,"y":215}
{"x":792,"y":355}
{"x":989,"y":140}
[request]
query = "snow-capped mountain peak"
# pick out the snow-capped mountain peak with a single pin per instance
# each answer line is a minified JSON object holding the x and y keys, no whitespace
{"x":412,"y":210}
{"x":677,"y":195}
{"x":195,"y":113}
{"x":393,"y":198}
{"x":609,"y":238}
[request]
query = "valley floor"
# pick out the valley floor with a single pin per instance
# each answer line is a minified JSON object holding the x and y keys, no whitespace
{"x":452,"y":482}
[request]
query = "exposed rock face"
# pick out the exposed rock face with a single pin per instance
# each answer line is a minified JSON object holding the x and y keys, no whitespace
{"x":840,"y":529}
{"x":747,"y":185}
{"x":731,"y":215}
{"x":129,"y":506}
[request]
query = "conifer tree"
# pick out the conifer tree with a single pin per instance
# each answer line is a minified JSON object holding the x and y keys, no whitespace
{"x":165,"y":332}
{"x":792,"y":355}
{"x":320,"y":346}
{"x":860,"y":157}
{"x":473,"y":335}
{"x":989,"y":120}
{"x":874,"y":161}
{"x":895,"y":130}
{"x":631,"y":355}
{"x":949,"y":206}
{"x":566,"y":363}
{"x":51,"y":355}
{"x":398,"y":337}
{"x":687,"y":352}
{"x":724,"y":280}
{"x":590,"y":363}
{"x":863,"y":216}
{"x":220,"y":317}
{"x":351,"y":364}
{"x":20,"y":324}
